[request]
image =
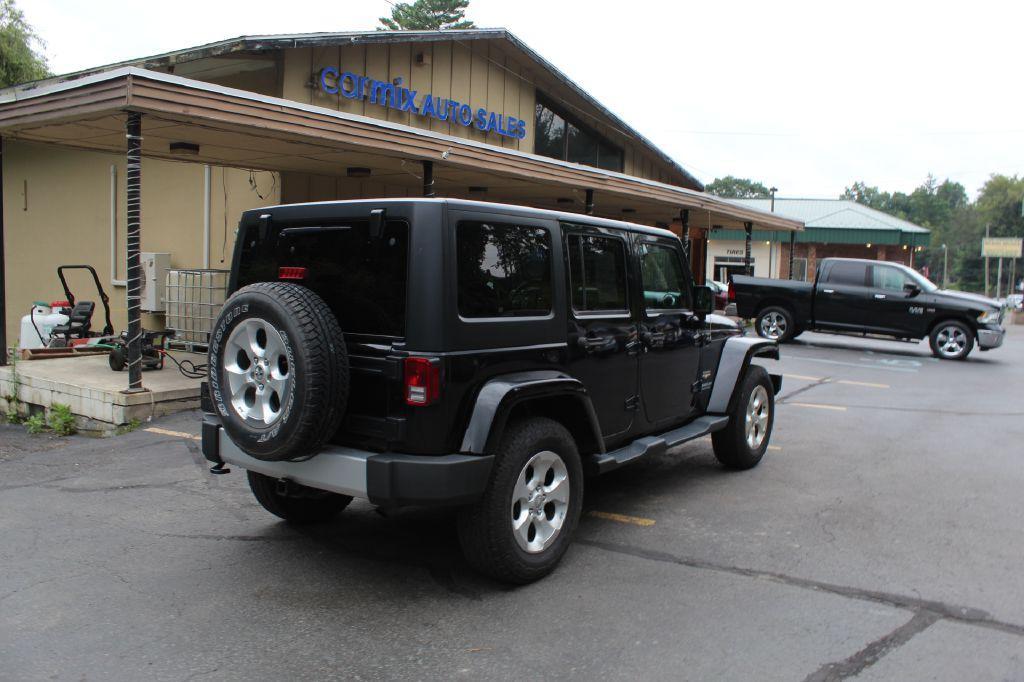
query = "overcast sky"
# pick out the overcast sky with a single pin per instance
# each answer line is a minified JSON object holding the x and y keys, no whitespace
{"x":808,"y":97}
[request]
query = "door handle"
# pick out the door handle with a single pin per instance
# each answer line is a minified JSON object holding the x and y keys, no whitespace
{"x":829,"y":291}
{"x":880,"y":296}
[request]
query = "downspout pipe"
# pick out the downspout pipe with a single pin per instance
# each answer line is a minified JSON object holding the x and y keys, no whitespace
{"x":114,"y":281}
{"x":207,"y":189}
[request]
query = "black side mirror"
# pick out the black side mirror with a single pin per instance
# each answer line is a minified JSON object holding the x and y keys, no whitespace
{"x":911,"y":290}
{"x":703,"y":300}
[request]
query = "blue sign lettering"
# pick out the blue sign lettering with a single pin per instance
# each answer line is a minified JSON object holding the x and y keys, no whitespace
{"x":394,"y":95}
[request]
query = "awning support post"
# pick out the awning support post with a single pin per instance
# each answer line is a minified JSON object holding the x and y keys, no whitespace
{"x":3,"y":289}
{"x":133,"y":188}
{"x":428,"y":179}
{"x":589,"y":205}
{"x":684,"y":218}
{"x":792,"y":248}
{"x":748,"y":228}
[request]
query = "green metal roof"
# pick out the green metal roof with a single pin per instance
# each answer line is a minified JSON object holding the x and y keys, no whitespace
{"x":834,"y":221}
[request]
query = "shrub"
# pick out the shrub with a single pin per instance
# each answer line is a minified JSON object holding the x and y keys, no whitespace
{"x":61,"y":420}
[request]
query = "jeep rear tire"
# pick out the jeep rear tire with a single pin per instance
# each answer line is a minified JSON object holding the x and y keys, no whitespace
{"x":522,"y":526}
{"x":742,"y":443}
{"x":278,"y":371}
{"x":296,"y":503}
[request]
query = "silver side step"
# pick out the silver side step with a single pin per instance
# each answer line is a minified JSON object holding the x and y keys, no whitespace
{"x":654,"y":445}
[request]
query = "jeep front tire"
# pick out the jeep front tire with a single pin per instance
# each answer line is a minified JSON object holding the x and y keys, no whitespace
{"x":522,"y":526}
{"x":743,"y":442}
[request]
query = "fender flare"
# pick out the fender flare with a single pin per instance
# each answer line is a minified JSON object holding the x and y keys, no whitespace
{"x":500,"y":394}
{"x":737,"y":353}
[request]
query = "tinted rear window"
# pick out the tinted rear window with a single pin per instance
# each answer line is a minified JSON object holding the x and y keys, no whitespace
{"x":363,"y":280}
{"x":848,"y":273}
{"x":597,"y":273}
{"x":503,"y":269}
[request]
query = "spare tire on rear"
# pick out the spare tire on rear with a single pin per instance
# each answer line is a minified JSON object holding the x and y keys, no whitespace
{"x":278,"y":371}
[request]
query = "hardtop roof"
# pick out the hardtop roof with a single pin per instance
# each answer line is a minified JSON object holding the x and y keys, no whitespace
{"x":486,"y":206}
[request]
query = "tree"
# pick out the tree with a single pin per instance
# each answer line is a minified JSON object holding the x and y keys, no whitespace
{"x":427,"y":15}
{"x":737,"y":188}
{"x":944,"y":208}
{"x":21,"y":57}
{"x":871,"y":197}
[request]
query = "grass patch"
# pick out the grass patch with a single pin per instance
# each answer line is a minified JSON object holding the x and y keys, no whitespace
{"x":127,"y":428}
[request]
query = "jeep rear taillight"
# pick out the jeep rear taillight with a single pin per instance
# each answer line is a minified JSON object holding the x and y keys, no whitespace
{"x":291,"y":274}
{"x":732,"y":292}
{"x":422,"y":381}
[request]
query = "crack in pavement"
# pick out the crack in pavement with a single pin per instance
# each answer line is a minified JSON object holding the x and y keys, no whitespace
{"x":820,"y":382}
{"x":874,"y":651}
{"x":961,"y":614}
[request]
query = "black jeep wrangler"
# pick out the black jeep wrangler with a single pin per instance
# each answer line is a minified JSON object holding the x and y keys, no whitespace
{"x":439,"y":351}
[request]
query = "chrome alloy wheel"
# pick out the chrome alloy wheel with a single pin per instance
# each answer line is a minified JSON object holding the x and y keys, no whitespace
{"x":756,"y":417}
{"x":540,"y":502}
{"x":773,"y":326}
{"x":951,"y":341}
{"x":259,"y":376}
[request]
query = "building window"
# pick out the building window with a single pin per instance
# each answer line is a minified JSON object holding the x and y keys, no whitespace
{"x":561,"y":136}
{"x":727,"y":266}
{"x":503,"y":270}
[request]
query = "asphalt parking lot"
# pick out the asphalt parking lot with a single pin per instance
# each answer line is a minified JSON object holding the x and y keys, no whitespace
{"x":881,"y":538}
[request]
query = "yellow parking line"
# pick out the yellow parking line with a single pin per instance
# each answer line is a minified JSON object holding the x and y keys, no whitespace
{"x":818,"y":406}
{"x":774,"y":447}
{"x":622,"y":518}
{"x":168,"y":432}
{"x":802,"y":377}
{"x":863,"y":383}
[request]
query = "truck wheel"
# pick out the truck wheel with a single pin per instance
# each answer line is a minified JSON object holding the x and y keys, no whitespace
{"x":951,"y":340}
{"x":278,"y":371}
{"x":775,"y":323}
{"x":296,"y":503}
{"x":519,"y":530}
{"x":742,"y":443}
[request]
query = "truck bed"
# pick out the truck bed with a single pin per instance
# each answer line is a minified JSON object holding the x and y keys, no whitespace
{"x":756,"y":293}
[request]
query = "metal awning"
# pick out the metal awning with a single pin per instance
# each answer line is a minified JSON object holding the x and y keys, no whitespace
{"x":242,"y":129}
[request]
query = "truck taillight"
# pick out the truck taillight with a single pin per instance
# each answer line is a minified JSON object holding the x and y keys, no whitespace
{"x":422,"y":381}
{"x":732,"y":292}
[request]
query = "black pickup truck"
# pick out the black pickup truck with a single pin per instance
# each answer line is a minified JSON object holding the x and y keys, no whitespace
{"x":870,"y":298}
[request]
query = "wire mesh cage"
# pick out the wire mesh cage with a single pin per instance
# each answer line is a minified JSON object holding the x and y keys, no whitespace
{"x":194,"y":299}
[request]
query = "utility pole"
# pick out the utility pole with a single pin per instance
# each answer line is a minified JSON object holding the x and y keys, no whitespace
{"x":945,"y":264}
{"x":986,"y":264}
{"x":999,"y":278}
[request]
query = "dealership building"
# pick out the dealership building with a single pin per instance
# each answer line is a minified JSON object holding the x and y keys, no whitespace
{"x":172,"y":148}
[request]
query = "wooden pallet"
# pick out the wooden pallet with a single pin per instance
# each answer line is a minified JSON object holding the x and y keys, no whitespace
{"x":69,"y":352}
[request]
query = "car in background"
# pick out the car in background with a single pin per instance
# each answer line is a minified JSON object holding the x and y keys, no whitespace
{"x":721,"y":293}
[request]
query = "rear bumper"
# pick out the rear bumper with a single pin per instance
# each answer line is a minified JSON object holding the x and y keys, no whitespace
{"x":387,"y":479}
{"x":990,"y":338}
